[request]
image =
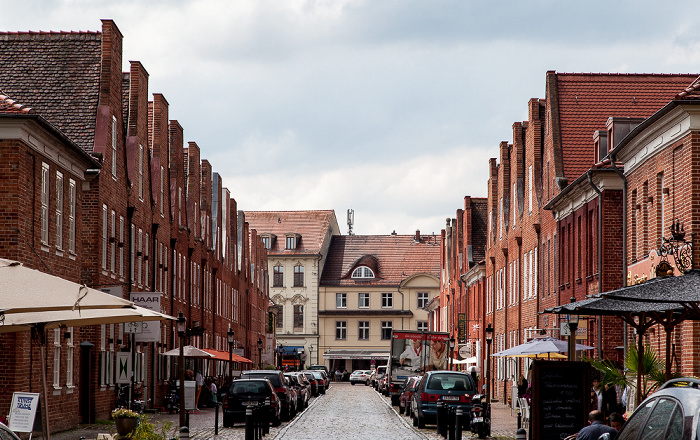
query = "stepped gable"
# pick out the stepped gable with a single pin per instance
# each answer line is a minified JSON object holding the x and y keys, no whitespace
{"x":312,"y":225}
{"x":397,"y":256}
{"x":587,"y":100}
{"x":58,"y":75}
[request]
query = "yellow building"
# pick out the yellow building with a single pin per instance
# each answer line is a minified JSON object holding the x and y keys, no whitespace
{"x":371,"y":285}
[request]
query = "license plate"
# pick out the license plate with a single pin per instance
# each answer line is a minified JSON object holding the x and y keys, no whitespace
{"x":478,"y":420}
{"x":249,"y":403}
{"x":450,"y":397}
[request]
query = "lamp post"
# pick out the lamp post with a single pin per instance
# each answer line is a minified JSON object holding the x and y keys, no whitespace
{"x":279,"y":355}
{"x":573,"y":325}
{"x":260,"y":346}
{"x":311,"y":352}
{"x":229,"y":336}
{"x":451,"y":344}
{"x":489,"y":337}
{"x":181,"y":329}
{"x":296,"y":359}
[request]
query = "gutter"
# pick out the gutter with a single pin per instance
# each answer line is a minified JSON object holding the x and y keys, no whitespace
{"x":624,"y":234}
{"x":600,"y":258}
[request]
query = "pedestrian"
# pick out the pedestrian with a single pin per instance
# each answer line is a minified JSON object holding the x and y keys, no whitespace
{"x":346,"y":375}
{"x":609,"y":401}
{"x":596,"y":394}
{"x":213,"y":390}
{"x":338,"y":374}
{"x":522,"y":386}
{"x":596,"y":428}
{"x":616,"y":420}
{"x":200,"y":383}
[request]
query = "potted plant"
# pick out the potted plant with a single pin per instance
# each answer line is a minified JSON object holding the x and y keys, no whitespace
{"x":125,"y":420}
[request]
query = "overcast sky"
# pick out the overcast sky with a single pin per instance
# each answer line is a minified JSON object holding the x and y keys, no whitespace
{"x":391,"y":108}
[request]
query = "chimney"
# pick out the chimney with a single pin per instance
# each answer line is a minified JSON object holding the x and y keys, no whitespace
{"x":417,"y":235}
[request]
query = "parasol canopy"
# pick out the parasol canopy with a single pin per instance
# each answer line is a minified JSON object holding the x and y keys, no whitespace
{"x":546,"y":347}
{"x":190,"y":352}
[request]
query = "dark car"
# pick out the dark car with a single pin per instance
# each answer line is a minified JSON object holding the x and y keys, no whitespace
{"x":276,"y":377}
{"x":409,"y":387}
{"x":320,"y":380}
{"x":671,"y":413}
{"x":302,"y":387}
{"x":312,"y":381}
{"x":246,"y":392}
{"x":453,"y":388}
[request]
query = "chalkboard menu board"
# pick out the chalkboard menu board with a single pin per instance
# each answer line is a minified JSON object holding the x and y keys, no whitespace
{"x":560,"y":399}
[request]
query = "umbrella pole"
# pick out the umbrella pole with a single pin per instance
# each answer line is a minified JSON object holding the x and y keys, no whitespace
{"x":640,"y":356}
{"x":45,"y":431}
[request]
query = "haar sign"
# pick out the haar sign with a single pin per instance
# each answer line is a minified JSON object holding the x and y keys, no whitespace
{"x":149,"y":330}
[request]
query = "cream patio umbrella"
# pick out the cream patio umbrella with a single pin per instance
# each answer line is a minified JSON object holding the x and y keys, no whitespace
{"x":28,"y":290}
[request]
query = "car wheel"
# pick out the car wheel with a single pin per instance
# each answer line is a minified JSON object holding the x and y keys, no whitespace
{"x":367,"y":383}
{"x":352,"y":383}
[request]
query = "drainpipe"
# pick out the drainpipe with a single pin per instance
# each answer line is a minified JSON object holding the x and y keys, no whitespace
{"x":600,"y":259}
{"x":624,"y":241}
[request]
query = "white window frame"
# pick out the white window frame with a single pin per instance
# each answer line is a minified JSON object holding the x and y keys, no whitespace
{"x":363,"y":272}
{"x":59,"y":210}
{"x":114,"y":147}
{"x":141,"y":172}
{"x":121,"y":246}
{"x":105,"y":225}
{"x":341,"y":300}
{"x":341,"y":330}
{"x":363,"y":300}
{"x":422,"y":299}
{"x":363,"y":330}
{"x":72,"y":195}
{"x":387,"y":327}
{"x":529,"y":174}
{"x":387,"y":300}
{"x":162,"y":192}
{"x":113,"y":244}
{"x":69,"y":357}
{"x":57,"y":358}
{"x":45,"y":204}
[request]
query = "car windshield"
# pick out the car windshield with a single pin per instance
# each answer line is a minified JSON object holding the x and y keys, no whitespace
{"x":250,"y":387}
{"x":447,"y":381}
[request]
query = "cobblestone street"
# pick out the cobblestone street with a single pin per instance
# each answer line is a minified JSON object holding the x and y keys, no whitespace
{"x":344,"y":412}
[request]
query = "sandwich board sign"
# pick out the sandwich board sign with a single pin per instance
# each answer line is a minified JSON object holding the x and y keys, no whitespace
{"x":123,"y":367}
{"x":23,"y":411}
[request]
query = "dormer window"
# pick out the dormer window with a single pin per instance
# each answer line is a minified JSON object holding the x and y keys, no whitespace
{"x":268,"y":240}
{"x":363,"y":272}
{"x":291,"y":241}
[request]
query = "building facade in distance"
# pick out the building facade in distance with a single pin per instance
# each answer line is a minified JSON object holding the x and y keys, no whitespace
{"x":371,"y":285}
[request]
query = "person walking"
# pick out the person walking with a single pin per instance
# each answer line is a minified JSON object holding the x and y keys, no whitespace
{"x":200,"y":383}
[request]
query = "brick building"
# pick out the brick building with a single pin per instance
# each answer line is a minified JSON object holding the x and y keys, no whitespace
{"x":536,"y":258}
{"x":100,"y":189}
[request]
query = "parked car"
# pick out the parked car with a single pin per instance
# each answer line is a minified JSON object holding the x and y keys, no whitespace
{"x":453,"y":388}
{"x":378,"y":374}
{"x":673,"y":412}
{"x":276,"y":377}
{"x":302,"y":388}
{"x":382,"y":386}
{"x":319,"y":379}
{"x":320,"y":367}
{"x":409,"y":387}
{"x":245,"y":392}
{"x":326,"y":378}
{"x":360,"y":376}
{"x":293,"y":397}
{"x":312,"y":381}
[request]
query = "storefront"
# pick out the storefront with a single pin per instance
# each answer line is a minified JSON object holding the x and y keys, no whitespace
{"x":352,"y":360}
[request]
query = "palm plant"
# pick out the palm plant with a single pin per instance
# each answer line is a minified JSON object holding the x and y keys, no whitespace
{"x":650,"y":367}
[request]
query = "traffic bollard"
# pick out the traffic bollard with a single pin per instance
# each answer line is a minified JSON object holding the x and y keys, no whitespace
{"x":451,"y":423}
{"x":184,"y":432}
{"x":521,"y":434}
{"x":458,"y":423}
{"x":520,"y":418}
{"x":216,"y":419}
{"x":441,"y":419}
{"x":266,"y":417}
{"x":249,"y":424}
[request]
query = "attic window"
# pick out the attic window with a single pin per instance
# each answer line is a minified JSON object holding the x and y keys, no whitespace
{"x":268,"y":240}
{"x":291,"y":241}
{"x":363,"y":272}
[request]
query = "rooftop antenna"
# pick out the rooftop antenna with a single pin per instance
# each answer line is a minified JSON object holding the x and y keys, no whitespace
{"x":351,"y":220}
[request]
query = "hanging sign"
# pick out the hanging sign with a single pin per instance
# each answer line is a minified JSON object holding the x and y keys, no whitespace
{"x":123,"y":367}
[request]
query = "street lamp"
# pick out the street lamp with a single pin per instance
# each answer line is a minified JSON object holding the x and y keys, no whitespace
{"x":311,"y":351}
{"x":296,"y":359}
{"x":279,"y":355}
{"x":489,"y":338}
{"x":572,"y":319}
{"x":181,"y":329}
{"x":452,"y":349}
{"x":229,"y":335}
{"x":260,"y":345}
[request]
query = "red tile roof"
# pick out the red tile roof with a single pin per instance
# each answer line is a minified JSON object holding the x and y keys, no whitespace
{"x":587,"y":100}
{"x":311,"y":225}
{"x":58,"y":75}
{"x":692,"y":91}
{"x":397,"y":258}
{"x":10,"y":106}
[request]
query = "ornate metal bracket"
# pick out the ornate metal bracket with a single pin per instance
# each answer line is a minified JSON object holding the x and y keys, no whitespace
{"x":678,"y":247}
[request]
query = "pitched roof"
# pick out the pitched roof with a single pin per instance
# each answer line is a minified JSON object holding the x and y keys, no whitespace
{"x":587,"y":100}
{"x":312,"y":226}
{"x":58,"y":75}
{"x":10,"y":106}
{"x":398,"y":257}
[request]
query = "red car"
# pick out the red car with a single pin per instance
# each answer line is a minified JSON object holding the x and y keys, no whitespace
{"x":409,"y":387}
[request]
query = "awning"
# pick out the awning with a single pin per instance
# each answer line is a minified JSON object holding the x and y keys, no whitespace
{"x":220,"y":355}
{"x":356,"y":354}
{"x":289,"y":349}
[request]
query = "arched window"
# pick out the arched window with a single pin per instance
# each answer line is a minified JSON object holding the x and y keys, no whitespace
{"x":363,"y":272}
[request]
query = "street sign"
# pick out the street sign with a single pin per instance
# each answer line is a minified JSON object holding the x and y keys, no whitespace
{"x":133,"y":327}
{"x":465,"y":351}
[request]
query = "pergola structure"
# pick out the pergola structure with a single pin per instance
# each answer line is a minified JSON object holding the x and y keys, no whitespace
{"x":666,"y":301}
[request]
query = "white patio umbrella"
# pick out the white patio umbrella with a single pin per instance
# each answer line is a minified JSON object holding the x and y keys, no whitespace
{"x":540,"y":346}
{"x":27,"y":290}
{"x":190,"y":352}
